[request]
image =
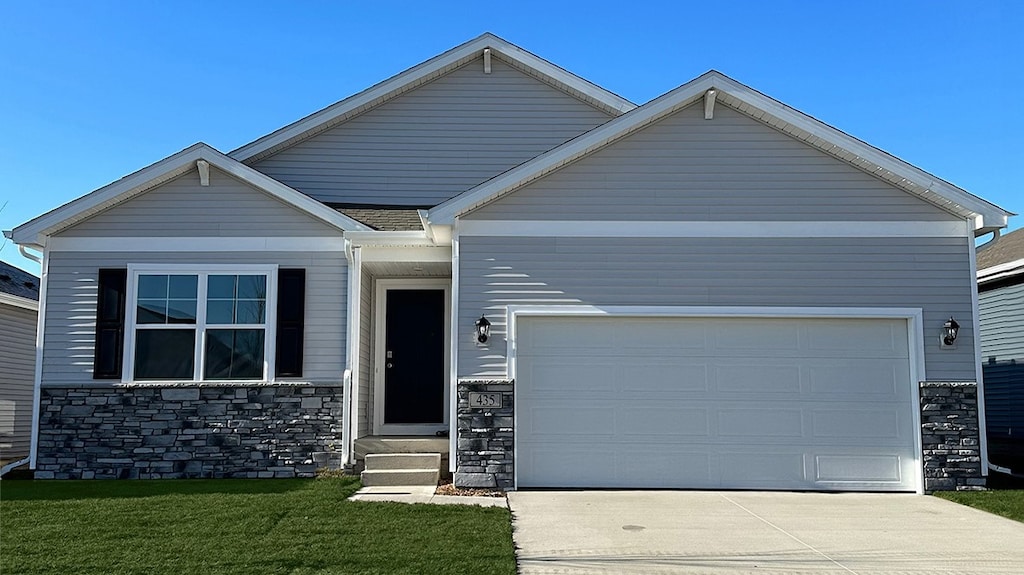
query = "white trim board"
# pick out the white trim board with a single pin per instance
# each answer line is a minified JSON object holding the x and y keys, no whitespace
{"x":979,"y":370}
{"x":380,"y":325}
{"x":19,"y":302}
{"x":705,"y":229}
{"x":199,"y":244}
{"x":913,"y":316}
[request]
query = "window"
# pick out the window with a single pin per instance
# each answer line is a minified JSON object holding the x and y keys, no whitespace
{"x":195,"y":325}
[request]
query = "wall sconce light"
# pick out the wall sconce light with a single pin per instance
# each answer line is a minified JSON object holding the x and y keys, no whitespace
{"x":483,"y":329}
{"x":949,"y":332}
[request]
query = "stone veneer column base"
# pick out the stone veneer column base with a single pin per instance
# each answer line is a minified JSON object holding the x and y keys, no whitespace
{"x":485,"y":448}
{"x":950,"y":436}
{"x":147,"y":431}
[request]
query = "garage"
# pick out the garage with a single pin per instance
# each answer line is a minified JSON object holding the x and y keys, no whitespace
{"x":797,"y":403}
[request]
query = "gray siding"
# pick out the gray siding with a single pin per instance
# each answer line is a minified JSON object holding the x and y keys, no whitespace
{"x":183,"y":208}
{"x":17,"y":373}
{"x":1001,"y":312}
{"x":929,"y":273}
{"x":71,"y":307}
{"x":366,"y":359}
{"x":691,"y":169}
{"x":436,"y":141}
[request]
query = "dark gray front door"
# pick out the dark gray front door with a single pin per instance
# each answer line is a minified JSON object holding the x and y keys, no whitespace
{"x":414,"y":357}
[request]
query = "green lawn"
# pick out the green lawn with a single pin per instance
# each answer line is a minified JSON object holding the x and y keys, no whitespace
{"x":1008,"y":503}
{"x":240,"y":526}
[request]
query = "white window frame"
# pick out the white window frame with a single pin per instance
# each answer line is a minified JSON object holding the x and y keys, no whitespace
{"x":201,"y":326}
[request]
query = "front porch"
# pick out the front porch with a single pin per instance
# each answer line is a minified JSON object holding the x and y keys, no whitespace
{"x":401,"y":460}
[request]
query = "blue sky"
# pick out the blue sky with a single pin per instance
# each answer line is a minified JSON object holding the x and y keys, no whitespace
{"x":92,"y":91}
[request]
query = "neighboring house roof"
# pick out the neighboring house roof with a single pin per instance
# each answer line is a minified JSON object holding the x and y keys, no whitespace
{"x":1002,"y":259}
{"x":383,"y":218}
{"x":18,"y":287}
{"x":418,"y":75}
{"x":714,"y":86}
{"x":35,"y":231}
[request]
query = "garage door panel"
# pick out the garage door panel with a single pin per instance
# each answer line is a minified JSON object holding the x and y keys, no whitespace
{"x":757,"y":377}
{"x":661,"y":421}
{"x":758,"y":422}
{"x":858,"y":468}
{"x":882,"y":422}
{"x":866,"y":338}
{"x":583,"y":421}
{"x":669,"y":378}
{"x":762,"y":468}
{"x":882,"y":378}
{"x":815,"y":412}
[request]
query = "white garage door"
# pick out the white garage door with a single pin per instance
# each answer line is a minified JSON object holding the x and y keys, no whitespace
{"x":746,"y":403}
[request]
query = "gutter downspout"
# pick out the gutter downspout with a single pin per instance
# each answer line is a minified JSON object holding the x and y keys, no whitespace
{"x":44,"y":273}
{"x":350,"y":420}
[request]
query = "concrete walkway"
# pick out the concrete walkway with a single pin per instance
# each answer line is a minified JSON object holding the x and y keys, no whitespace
{"x":422,"y":494}
{"x":758,"y":532}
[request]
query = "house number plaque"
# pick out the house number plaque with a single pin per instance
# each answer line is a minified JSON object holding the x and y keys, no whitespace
{"x":490,"y":400}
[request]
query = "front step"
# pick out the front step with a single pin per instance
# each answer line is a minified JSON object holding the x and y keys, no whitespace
{"x":401,"y":469}
{"x":380,"y":461}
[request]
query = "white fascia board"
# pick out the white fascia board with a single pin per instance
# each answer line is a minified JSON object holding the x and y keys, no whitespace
{"x":417,"y":75}
{"x":213,"y":244}
{"x":19,"y":302}
{"x":705,"y":229}
{"x":1001,"y":271}
{"x":36,"y":230}
{"x":597,"y":138}
{"x":386,"y":239}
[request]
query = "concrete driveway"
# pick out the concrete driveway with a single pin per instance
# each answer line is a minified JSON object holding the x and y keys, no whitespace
{"x":758,"y":532}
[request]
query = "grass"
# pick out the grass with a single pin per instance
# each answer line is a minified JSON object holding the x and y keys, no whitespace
{"x":1008,"y":503}
{"x":240,"y":526}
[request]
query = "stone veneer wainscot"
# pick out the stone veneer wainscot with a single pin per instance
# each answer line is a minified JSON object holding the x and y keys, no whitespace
{"x":950,"y":436}
{"x":145,"y":431}
{"x":485,"y":448}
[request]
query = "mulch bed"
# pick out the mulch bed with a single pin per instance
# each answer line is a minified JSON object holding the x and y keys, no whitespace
{"x":446,"y":488}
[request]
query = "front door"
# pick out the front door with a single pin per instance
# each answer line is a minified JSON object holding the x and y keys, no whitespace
{"x":414,"y":361}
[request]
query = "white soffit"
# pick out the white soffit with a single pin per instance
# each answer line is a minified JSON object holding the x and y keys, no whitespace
{"x":984,"y":215}
{"x":35,"y":231}
{"x":418,"y":75}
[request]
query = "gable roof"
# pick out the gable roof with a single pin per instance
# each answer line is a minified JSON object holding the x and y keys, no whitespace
{"x":815,"y":133}
{"x":35,"y":231}
{"x":425,"y":72}
{"x":17,"y":282}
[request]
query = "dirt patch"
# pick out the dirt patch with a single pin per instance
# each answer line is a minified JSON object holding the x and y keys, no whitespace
{"x":446,"y":488}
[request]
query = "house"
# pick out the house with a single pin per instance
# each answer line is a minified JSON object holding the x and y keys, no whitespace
{"x":19,"y":302}
{"x":1001,"y":313}
{"x":711,"y":290}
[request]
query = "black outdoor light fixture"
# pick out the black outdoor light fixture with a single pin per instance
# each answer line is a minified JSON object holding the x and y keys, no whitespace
{"x":949,"y":331}
{"x":483,"y":329}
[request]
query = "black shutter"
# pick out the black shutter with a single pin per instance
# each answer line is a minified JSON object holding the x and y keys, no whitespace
{"x":110,"y":302}
{"x":291,"y":319}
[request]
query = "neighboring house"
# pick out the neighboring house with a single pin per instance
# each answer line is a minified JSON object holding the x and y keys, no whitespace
{"x":1001,"y":311}
{"x":711,"y":290}
{"x":19,"y":303}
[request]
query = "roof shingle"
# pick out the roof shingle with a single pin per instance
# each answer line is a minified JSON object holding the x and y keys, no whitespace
{"x":18,"y":282}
